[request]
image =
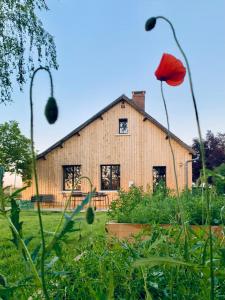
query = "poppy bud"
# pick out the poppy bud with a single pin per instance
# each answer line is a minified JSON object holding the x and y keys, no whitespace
{"x":90,"y":216}
{"x":150,"y":24}
{"x":51,"y":110}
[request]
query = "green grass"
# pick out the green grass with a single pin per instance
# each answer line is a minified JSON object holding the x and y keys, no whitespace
{"x":105,"y":270}
{"x":12,"y":265}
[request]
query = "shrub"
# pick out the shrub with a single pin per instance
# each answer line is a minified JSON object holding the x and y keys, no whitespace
{"x":219,"y":179}
{"x":136,"y":206}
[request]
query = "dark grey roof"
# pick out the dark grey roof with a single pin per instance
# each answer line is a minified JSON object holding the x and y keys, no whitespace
{"x":101,"y":112}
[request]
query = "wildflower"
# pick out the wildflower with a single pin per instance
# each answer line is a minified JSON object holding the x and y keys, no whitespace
{"x":171,"y":70}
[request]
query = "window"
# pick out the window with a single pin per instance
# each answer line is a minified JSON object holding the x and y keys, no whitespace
{"x":110,"y":177}
{"x":159,"y":176}
{"x":123,"y":126}
{"x":71,"y":174}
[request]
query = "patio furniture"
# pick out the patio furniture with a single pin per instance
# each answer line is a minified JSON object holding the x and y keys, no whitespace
{"x":99,"y":199}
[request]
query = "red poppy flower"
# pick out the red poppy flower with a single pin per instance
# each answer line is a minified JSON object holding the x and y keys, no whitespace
{"x":171,"y":70}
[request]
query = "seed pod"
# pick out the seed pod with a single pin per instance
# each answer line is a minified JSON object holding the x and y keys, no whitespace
{"x":90,"y":215}
{"x":51,"y":110}
{"x":150,"y":24}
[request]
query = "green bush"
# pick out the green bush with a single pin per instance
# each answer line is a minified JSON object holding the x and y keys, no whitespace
{"x":219,"y":179}
{"x":136,"y":206}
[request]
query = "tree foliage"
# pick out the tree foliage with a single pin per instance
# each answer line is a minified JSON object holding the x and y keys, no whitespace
{"x":218,"y":179}
{"x":22,"y":39}
{"x":15,"y":150}
{"x":214,"y":152}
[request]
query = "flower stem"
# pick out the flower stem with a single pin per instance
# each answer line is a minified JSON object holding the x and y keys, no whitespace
{"x":57,"y":231}
{"x":169,"y":139}
{"x":33,"y":268}
{"x":36,"y":178}
{"x":173,"y":157}
{"x":192,"y":94}
{"x":202,"y":150}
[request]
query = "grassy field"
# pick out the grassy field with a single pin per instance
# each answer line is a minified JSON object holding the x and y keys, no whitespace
{"x":12,"y":265}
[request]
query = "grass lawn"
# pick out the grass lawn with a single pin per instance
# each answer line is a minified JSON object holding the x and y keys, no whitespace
{"x":12,"y":265}
{"x":105,"y":270}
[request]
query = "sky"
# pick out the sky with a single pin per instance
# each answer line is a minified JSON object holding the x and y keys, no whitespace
{"x":103,"y":51}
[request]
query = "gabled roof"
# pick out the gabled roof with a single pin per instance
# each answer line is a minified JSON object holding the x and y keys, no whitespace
{"x":101,"y":112}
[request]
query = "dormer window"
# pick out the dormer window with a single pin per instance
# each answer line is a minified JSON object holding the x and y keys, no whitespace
{"x":123,"y":126}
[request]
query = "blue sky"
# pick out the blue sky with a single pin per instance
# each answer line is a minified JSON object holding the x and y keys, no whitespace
{"x":103,"y":52}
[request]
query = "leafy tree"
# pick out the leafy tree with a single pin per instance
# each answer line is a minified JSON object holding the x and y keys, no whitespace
{"x":214,"y":152}
{"x":15,"y":150}
{"x":22,"y":37}
{"x":219,"y":179}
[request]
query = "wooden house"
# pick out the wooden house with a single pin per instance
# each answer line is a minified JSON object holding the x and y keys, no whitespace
{"x":119,"y":146}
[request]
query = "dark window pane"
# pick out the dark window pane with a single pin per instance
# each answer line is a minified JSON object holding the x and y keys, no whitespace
{"x":115,"y":177}
{"x":159,"y":176}
{"x":68,"y":178}
{"x":71,"y":175}
{"x":105,"y":176}
{"x":110,"y":177}
{"x":77,"y":175}
{"x":123,"y":126}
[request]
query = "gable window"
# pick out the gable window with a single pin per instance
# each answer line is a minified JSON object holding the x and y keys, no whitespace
{"x":71,"y":175}
{"x":110,"y":177}
{"x":159,"y":176}
{"x":123,"y":126}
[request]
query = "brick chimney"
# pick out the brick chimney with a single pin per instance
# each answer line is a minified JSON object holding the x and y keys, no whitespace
{"x":138,"y":97}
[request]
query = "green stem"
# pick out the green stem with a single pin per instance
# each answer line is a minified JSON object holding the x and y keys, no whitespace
{"x":55,"y":236}
{"x":36,"y":178}
{"x":89,"y":181}
{"x":202,"y":150}
{"x":192,"y":94}
{"x":33,"y":268}
{"x":169,"y":139}
{"x":173,"y":157}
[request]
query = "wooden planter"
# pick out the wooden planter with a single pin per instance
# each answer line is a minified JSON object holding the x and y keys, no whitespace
{"x":128,"y":230}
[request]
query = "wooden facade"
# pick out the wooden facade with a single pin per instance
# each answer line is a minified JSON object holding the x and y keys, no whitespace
{"x":98,"y":142}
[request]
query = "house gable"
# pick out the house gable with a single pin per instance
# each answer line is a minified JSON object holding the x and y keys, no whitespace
{"x":122,"y":99}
